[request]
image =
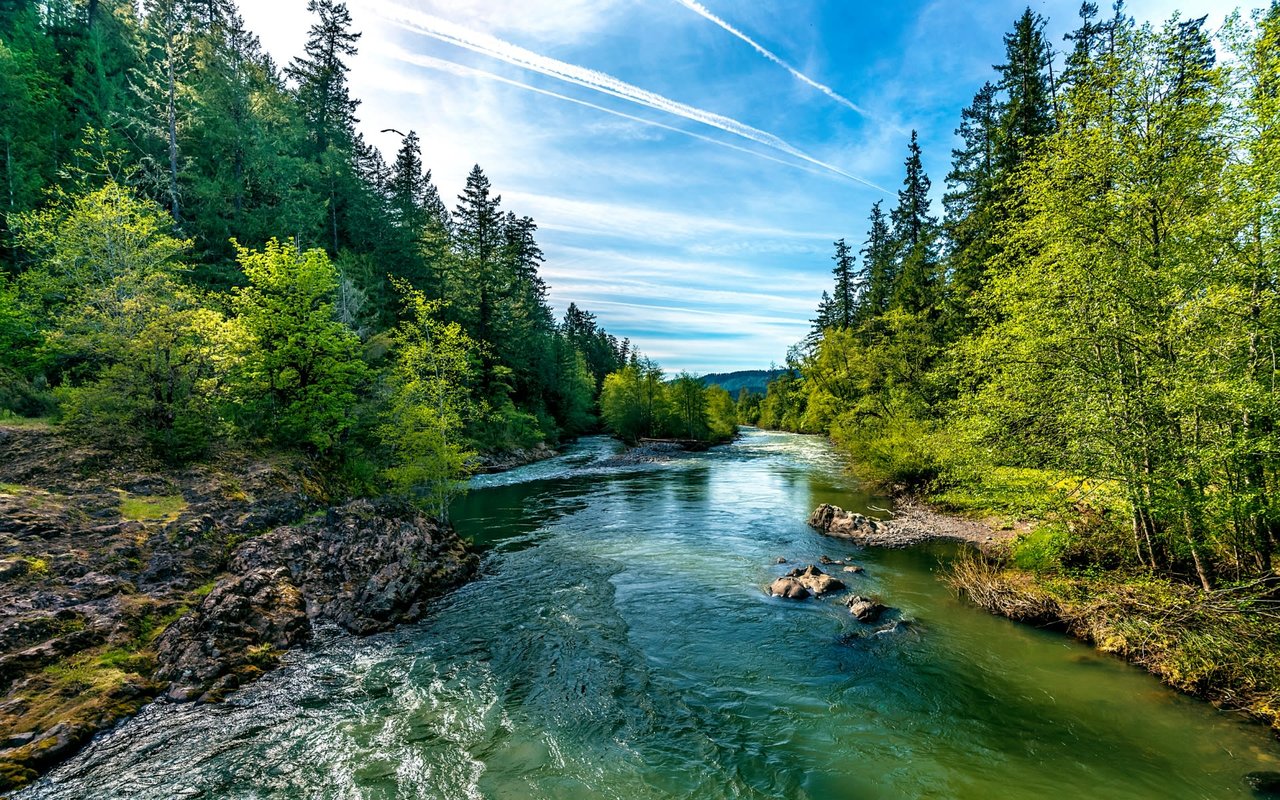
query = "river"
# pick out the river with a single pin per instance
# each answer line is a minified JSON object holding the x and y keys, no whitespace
{"x":619,"y":644}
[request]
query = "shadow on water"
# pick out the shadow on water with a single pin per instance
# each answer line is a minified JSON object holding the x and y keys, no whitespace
{"x":619,"y":644}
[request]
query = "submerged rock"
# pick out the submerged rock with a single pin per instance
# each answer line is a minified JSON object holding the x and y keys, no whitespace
{"x":835,"y":521}
{"x":865,"y":609}
{"x":1264,"y":784}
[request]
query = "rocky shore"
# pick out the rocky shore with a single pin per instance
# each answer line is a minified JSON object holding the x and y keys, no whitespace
{"x":910,"y":523}
{"x":123,"y":581}
{"x":489,"y":463}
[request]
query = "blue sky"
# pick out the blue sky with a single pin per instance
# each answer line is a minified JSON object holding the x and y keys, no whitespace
{"x":687,"y":183}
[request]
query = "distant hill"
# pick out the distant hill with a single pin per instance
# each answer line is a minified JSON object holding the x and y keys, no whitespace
{"x":754,"y":380}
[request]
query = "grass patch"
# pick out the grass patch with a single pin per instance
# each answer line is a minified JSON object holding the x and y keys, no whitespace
{"x":149,"y":508}
{"x":14,"y":489}
{"x":1025,"y":493}
{"x":8,"y":419}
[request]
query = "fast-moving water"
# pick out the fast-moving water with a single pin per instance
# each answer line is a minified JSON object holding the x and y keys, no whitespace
{"x":620,"y":645}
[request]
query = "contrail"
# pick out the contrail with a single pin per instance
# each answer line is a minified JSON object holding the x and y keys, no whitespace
{"x":706,"y":13}
{"x":431,"y":62}
{"x":486,"y":44}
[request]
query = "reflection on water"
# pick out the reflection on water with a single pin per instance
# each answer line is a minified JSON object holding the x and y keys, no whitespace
{"x":619,"y":644}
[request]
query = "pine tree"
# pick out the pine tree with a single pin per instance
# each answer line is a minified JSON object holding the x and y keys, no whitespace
{"x":321,"y":76}
{"x":972,"y":201}
{"x":844,"y":299}
{"x":879,"y":267}
{"x":327,"y":105}
{"x":1028,"y":106}
{"x":914,"y":235}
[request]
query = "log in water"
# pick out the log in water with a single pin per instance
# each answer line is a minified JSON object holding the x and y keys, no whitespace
{"x":620,"y":645}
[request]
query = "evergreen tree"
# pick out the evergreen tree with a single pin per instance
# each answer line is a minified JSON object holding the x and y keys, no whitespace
{"x":914,"y":236}
{"x":845,"y":298}
{"x":879,"y":267}
{"x":1028,"y":106}
{"x":327,"y":106}
{"x":972,"y":201}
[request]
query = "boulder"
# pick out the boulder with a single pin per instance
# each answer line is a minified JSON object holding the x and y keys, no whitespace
{"x":865,"y":609}
{"x":781,"y":560}
{"x":854,"y":568}
{"x":816,"y":581}
{"x":835,"y":521}
{"x":789,"y":588}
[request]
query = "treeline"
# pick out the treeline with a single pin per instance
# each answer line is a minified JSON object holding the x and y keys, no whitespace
{"x":1097,"y":305}
{"x":638,"y":402}
{"x":199,"y":247}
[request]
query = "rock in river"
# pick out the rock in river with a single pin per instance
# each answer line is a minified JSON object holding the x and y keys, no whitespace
{"x":835,"y":521}
{"x":789,"y":588}
{"x":865,"y":609}
{"x":366,"y":567}
{"x":816,"y":581}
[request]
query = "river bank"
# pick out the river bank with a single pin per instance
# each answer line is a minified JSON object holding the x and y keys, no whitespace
{"x":1223,"y":647}
{"x":125,"y":581}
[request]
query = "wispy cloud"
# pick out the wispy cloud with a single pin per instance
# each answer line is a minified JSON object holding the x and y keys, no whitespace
{"x":707,"y":14}
{"x":644,"y":224}
{"x":463,"y":70}
{"x":488,"y":45}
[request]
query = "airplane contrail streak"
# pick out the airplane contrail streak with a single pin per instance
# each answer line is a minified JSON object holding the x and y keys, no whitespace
{"x":707,"y":14}
{"x":486,"y":44}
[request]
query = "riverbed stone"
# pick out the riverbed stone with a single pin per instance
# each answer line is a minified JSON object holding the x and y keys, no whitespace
{"x":816,"y":581}
{"x":789,"y":588}
{"x":865,"y":609}
{"x":835,"y":521}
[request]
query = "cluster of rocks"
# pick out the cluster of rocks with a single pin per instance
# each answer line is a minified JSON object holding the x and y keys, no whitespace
{"x":810,"y":581}
{"x":646,"y":453}
{"x":912,"y":523}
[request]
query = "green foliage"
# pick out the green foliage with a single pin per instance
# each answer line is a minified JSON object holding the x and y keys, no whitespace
{"x":637,"y":403}
{"x":430,"y":405}
{"x":301,"y":370}
{"x":1042,"y":548}
{"x":1106,"y":307}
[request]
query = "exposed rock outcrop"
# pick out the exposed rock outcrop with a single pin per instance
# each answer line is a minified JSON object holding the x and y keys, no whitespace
{"x":366,"y":567}
{"x":510,"y":459}
{"x":102,"y":556}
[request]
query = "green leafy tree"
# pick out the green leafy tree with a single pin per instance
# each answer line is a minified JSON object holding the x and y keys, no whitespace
{"x":302,"y":368}
{"x":430,"y":405}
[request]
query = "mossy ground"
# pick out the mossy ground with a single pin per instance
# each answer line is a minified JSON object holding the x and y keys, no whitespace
{"x":149,"y":508}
